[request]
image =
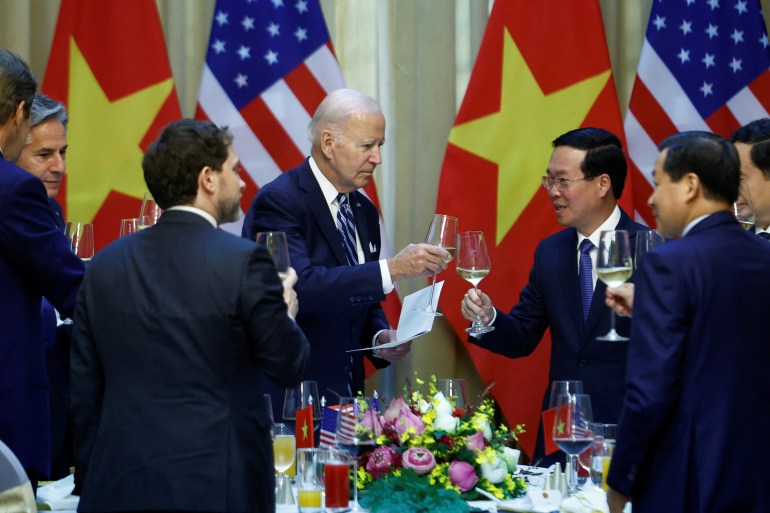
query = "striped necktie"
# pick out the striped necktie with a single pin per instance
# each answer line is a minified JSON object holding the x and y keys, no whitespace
{"x":586,"y":277}
{"x":346,"y":225}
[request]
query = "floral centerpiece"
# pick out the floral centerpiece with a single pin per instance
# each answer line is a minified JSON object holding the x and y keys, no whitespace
{"x":428,"y":452}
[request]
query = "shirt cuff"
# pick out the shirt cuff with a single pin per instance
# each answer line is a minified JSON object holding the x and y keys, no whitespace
{"x":494,"y":316}
{"x":374,"y":344}
{"x":387,"y":283}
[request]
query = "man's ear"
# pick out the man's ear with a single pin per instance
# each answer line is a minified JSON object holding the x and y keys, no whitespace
{"x":692,"y":186}
{"x":326,"y":143}
{"x":207,"y":180}
{"x":18,"y":116}
{"x":605,"y":184}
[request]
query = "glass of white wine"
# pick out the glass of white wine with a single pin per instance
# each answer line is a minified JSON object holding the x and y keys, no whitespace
{"x":473,"y":265}
{"x":442,"y":233}
{"x":284,"y":452}
{"x":275,"y":243}
{"x":614,"y":266}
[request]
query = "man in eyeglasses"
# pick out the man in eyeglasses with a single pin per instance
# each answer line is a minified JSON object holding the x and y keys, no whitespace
{"x":584,"y":180}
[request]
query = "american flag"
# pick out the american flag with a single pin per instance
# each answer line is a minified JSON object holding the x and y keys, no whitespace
{"x":327,"y":436}
{"x":705,"y":65}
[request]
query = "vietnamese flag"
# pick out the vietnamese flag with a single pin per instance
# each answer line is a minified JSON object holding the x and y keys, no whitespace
{"x":109,"y":66}
{"x":304,"y":428}
{"x":542,"y":69}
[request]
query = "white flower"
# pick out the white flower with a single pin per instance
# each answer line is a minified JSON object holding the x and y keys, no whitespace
{"x":481,"y":423}
{"x":441,"y":405}
{"x":423,"y":406}
{"x":494,"y":470}
{"x":511,"y":457}
{"x":446,"y":422}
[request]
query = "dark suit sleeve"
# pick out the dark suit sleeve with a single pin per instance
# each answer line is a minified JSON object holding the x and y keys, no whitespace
{"x":655,"y":357}
{"x":279,"y":343}
{"x":321,"y":286}
{"x":36,"y":248}
{"x":519,"y":332}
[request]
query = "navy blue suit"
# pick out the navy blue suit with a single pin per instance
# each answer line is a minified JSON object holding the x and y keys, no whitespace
{"x":174,"y":330}
{"x":693,"y":435}
{"x":339,"y":305}
{"x":35,"y":261}
{"x":552,"y":299}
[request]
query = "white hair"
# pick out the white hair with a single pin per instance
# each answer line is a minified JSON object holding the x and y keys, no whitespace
{"x":335,"y":110}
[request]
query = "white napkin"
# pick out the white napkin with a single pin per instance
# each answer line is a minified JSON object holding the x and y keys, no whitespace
{"x":58,"y":495}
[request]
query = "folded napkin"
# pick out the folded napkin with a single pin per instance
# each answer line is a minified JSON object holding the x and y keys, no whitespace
{"x":58,"y":495}
{"x":590,"y":500}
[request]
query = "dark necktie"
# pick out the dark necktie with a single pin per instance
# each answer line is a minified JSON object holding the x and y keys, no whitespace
{"x":586,"y":277}
{"x":346,"y":224}
{"x":765,"y":235}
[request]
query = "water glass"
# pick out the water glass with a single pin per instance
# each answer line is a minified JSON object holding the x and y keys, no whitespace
{"x":601,"y":453}
{"x":336,"y":483}
{"x":310,"y":479}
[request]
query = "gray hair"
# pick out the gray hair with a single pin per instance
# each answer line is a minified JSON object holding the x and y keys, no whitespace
{"x":336,"y":108}
{"x":45,"y":108}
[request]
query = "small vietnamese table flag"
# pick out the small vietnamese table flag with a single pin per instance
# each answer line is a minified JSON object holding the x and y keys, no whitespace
{"x":304,"y":428}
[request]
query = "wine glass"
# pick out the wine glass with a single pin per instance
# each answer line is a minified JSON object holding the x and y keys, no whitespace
{"x":473,"y":265}
{"x":646,"y":241}
{"x":614,"y":266}
{"x":300,"y":397}
{"x":275,"y":244}
{"x":81,"y":236}
{"x":355,"y":435}
{"x":129,"y":226}
{"x":743,"y":213}
{"x":571,"y":386}
{"x":572,"y":429}
{"x":150,"y":212}
{"x":284,"y":449}
{"x":441,"y":233}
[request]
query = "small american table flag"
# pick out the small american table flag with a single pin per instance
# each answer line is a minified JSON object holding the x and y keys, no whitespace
{"x":327,"y":435}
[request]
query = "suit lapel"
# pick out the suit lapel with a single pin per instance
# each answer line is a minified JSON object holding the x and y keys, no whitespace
{"x":362,"y":226}
{"x":568,"y":272}
{"x":317,"y":205}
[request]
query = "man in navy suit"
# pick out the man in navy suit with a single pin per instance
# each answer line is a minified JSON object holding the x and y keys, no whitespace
{"x":692,"y":435}
{"x":340,"y":299}
{"x":174,"y":330}
{"x":753,"y":144}
{"x":45,"y":155}
{"x":584,"y":180}
{"x":35,"y":262}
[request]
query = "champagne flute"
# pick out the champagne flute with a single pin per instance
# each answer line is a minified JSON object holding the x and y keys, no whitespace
{"x":743,"y":214}
{"x":646,"y":241}
{"x":441,"y":233}
{"x":614,"y":267}
{"x":473,"y":265}
{"x":572,"y":429}
{"x":275,"y":244}
{"x":284,"y":449}
{"x":150,"y":212}
{"x":81,"y":236}
{"x":355,"y":435}
{"x":129,"y":226}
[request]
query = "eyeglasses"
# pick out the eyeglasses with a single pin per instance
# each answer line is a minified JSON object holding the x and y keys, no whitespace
{"x":561,"y":183}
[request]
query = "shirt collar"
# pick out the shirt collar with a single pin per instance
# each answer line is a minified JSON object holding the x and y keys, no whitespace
{"x":610,"y":224}
{"x":327,"y":189}
{"x":692,"y":224}
{"x":205,"y":215}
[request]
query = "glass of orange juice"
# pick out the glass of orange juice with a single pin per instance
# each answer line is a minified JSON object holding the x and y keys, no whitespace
{"x":310,"y":480}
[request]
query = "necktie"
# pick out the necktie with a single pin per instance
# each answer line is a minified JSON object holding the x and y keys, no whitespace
{"x":765,"y":235}
{"x":346,"y":224}
{"x":586,"y":277}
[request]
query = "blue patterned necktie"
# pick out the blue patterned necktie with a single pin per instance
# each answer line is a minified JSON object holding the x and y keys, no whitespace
{"x":586,"y":277}
{"x":346,"y":224}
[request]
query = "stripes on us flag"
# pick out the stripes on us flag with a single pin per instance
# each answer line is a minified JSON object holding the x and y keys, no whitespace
{"x":705,"y":65}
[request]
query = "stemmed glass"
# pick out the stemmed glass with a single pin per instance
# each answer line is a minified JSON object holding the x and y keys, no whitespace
{"x":150,"y":212}
{"x":300,"y":397}
{"x":129,"y":226}
{"x":614,"y":266}
{"x":275,"y":244}
{"x":646,"y":241}
{"x":742,"y":214}
{"x":441,"y":233}
{"x":284,"y":450}
{"x":473,"y":265}
{"x":81,"y":236}
{"x":355,"y":435}
{"x":572,"y":429}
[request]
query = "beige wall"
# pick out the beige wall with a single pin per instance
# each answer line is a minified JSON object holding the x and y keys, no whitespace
{"x":415,"y":56}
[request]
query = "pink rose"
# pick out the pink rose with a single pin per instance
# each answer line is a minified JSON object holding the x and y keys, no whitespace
{"x":381,"y":461}
{"x":475,"y":442}
{"x":462,"y":475}
{"x":419,"y":459}
{"x":401,"y":417}
{"x":372,"y":421}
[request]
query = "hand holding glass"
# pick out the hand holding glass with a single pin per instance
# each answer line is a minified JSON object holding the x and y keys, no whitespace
{"x":277,"y":246}
{"x":473,"y":265}
{"x":614,"y":267}
{"x":571,"y":429}
{"x":442,"y":233}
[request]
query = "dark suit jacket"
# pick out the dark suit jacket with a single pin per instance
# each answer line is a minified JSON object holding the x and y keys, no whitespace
{"x":35,"y":261}
{"x":339,"y":305}
{"x":693,"y":432}
{"x":175,"y":327}
{"x":552,"y":299}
